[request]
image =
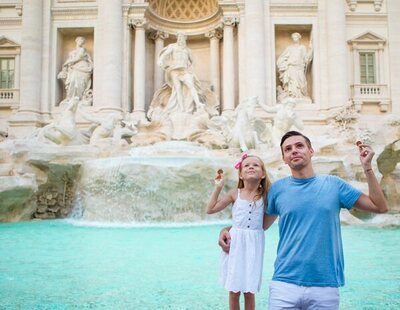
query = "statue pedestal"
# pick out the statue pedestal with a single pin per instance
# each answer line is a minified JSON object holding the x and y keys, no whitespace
{"x":181,"y":123}
{"x":300,"y":101}
{"x":297,"y":101}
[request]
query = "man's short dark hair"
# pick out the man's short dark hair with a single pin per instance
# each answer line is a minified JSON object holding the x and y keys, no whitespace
{"x":292,"y":134}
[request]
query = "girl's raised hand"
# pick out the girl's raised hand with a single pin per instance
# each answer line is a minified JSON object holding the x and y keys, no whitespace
{"x":219,"y":179}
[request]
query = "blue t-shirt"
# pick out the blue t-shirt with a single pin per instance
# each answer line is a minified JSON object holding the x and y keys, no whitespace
{"x":310,"y":244}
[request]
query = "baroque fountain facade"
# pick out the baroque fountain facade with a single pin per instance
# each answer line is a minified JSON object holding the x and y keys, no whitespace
{"x":122,"y":110}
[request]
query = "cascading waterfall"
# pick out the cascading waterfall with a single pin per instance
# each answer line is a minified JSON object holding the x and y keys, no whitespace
{"x":155,"y":184}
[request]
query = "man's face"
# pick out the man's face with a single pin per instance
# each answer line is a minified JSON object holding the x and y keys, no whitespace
{"x":296,"y":153}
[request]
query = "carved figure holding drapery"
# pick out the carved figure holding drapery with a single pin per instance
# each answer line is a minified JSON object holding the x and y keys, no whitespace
{"x":292,"y":67}
{"x":77,"y":73}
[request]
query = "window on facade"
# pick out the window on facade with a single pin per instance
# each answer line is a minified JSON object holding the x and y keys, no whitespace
{"x":7,"y":72}
{"x":367,"y":68}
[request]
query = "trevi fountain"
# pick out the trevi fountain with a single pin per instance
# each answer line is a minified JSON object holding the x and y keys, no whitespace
{"x":123,"y":168}
{"x":113,"y":152}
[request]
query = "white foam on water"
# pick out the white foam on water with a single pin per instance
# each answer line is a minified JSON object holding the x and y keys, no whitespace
{"x":98,"y":224}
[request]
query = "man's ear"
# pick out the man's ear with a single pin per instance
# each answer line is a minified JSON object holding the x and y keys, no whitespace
{"x":284,"y":160}
{"x":312,"y":151}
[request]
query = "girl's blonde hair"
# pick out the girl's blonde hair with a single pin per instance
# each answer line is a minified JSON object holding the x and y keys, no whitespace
{"x":265,"y":183}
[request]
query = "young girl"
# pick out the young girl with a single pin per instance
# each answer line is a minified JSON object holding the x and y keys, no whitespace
{"x":241,"y":268}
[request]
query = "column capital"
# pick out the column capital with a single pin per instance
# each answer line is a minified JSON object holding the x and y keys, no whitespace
{"x":214,"y":34}
{"x":137,"y":22}
{"x":377,"y":5}
{"x":18,"y":8}
{"x":158,"y":34}
{"x":230,"y":21}
{"x":352,"y":5}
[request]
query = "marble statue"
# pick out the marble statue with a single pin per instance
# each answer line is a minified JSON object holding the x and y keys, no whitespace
{"x":176,"y":60}
{"x":246,"y":129}
{"x":183,"y":104}
{"x":292,"y":67}
{"x":110,"y":129}
{"x":284,"y":119}
{"x":63,"y":131}
{"x":122,"y":132}
{"x":76,"y":73}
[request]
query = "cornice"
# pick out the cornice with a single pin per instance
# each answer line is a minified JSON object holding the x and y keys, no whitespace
{"x":284,"y":7}
{"x":74,"y":1}
{"x":87,"y":12}
{"x":11,"y":21}
{"x":366,"y":17}
{"x":191,"y":28}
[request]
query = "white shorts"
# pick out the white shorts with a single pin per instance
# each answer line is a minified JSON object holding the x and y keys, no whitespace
{"x":284,"y":295}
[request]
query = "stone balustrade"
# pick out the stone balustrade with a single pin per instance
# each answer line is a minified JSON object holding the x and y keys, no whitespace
{"x":369,"y":91}
{"x":9,"y":97}
{"x":363,"y":93}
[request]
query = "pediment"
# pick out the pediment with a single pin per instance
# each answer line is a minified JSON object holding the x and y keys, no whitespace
{"x":367,"y":37}
{"x":7,"y":43}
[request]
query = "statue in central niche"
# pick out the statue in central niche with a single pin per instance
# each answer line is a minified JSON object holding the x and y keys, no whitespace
{"x":176,"y":60}
{"x":292,"y":67}
{"x":183,"y":103}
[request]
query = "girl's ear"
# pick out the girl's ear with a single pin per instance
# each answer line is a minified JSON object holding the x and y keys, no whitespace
{"x":263,"y":177}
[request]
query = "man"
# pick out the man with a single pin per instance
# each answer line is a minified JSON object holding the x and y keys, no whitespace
{"x":309,"y":264}
{"x":176,"y":60}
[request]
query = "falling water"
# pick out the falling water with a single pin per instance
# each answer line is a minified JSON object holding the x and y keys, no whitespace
{"x":171,"y":182}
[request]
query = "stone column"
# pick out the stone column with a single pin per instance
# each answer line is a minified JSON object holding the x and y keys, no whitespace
{"x":270,"y":93}
{"x":110,"y":16}
{"x":381,"y":64}
{"x":255,"y":49}
{"x":158,"y":37}
{"x":356,"y":76}
{"x":139,"y":73}
{"x":228,"y":69}
{"x":47,"y":60}
{"x":393,"y":9}
{"x":214,"y":35}
{"x":28,"y":117}
{"x":321,"y":77}
{"x":126,"y":63}
{"x":17,"y":73}
{"x":31,"y":56}
{"x":356,"y":59}
{"x":337,"y":53}
{"x":241,"y":72}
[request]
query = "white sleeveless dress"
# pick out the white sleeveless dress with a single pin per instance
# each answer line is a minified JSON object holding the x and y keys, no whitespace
{"x":241,"y":269}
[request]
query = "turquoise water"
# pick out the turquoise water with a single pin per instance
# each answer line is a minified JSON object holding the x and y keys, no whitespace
{"x":57,"y":265}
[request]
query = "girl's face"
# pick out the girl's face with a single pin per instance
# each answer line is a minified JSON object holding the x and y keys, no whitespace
{"x":252,"y":168}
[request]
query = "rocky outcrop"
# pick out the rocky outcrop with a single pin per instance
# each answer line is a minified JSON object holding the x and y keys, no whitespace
{"x":37,"y":180}
{"x":390,"y":183}
{"x":17,"y":197}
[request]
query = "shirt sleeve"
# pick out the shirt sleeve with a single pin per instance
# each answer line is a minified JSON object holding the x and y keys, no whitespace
{"x":348,"y":194}
{"x":271,"y":198}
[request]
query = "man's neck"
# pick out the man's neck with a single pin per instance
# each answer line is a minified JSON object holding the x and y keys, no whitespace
{"x":304,"y":173}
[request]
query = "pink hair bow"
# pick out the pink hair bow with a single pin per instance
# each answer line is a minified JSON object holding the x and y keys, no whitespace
{"x":239,"y":163}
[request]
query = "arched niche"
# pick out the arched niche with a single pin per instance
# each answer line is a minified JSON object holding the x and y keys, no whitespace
{"x":65,"y":44}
